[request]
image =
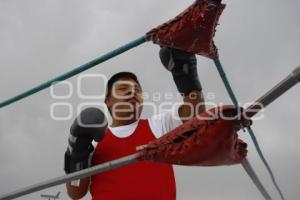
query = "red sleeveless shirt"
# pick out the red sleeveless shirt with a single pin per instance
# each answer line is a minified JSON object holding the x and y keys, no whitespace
{"x":139,"y":181}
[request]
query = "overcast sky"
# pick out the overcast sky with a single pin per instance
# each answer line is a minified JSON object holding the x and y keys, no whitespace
{"x":258,"y":43}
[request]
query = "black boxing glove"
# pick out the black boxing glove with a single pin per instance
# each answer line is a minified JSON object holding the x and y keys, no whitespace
{"x":88,"y":126}
{"x":183,"y":66}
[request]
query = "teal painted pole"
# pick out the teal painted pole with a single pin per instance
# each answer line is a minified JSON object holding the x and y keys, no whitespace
{"x":75,"y":71}
{"x":226,"y":82}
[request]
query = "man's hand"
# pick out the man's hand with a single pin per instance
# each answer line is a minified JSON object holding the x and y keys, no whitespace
{"x":183,"y":66}
{"x":89,"y":126}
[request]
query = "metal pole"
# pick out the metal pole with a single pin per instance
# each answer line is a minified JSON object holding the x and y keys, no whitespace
{"x":73,"y":176}
{"x":287,"y":83}
{"x":250,"y":171}
{"x":262,"y":102}
{"x":75,"y":71}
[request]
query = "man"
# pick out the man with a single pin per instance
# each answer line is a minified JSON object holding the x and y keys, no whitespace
{"x":124,"y":99}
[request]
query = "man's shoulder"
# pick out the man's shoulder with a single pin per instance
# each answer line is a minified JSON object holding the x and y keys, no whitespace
{"x":164,"y":122}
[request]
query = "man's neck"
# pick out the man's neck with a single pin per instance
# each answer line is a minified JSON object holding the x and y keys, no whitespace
{"x":116,"y":123}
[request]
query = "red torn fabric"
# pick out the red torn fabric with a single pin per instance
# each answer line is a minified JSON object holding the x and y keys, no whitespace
{"x":192,"y":30}
{"x":208,"y":140}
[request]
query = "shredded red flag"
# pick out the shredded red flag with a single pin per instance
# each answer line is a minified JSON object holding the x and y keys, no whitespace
{"x":210,"y":140}
{"x":192,"y":30}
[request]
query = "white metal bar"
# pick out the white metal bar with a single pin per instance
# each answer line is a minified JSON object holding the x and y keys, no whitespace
{"x":73,"y":176}
{"x":250,"y":171}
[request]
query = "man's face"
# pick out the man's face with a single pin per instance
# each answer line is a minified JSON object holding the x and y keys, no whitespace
{"x":125,"y":100}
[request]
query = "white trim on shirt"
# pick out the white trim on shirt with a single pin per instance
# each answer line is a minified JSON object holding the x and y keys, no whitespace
{"x":159,"y":125}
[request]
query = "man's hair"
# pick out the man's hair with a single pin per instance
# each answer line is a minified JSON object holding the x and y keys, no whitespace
{"x":118,"y":76}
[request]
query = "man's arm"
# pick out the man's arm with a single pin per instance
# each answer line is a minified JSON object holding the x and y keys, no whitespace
{"x":183,"y":66}
{"x":88,"y":126}
{"x":193,"y":105}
